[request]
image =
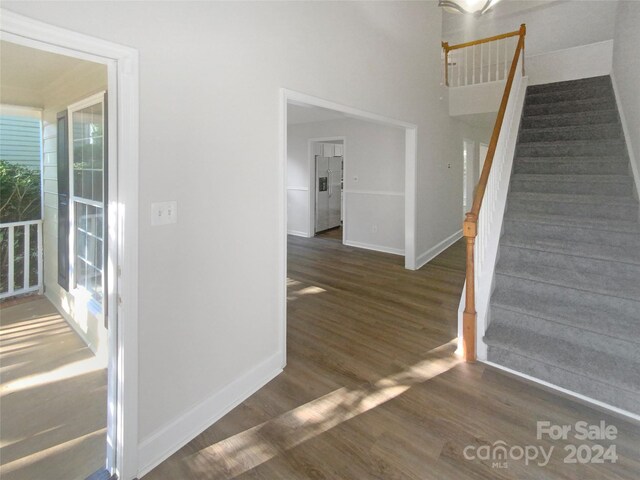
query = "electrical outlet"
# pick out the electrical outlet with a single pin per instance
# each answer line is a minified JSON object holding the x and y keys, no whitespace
{"x":374,"y":228}
{"x":164,"y":213}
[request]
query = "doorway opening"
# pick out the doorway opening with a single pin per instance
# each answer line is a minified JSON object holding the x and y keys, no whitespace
{"x":85,"y":309}
{"x":371,"y":179}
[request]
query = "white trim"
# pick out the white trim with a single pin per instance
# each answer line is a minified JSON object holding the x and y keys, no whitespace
{"x":627,"y":136}
{"x":190,"y":424}
{"x":571,"y":393}
{"x":298,"y":233}
{"x":300,"y":189}
{"x":374,"y":192}
{"x":122,"y":68}
{"x":377,"y":248}
{"x":436,"y":250}
{"x":410,"y":196}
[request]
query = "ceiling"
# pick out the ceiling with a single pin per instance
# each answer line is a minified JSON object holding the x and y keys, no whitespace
{"x":301,"y":113}
{"x":27,"y":74}
{"x":29,"y":68}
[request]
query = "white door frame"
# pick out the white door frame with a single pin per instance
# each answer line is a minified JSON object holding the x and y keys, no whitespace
{"x":312,"y":182}
{"x":122,"y":222}
{"x":410,"y":175}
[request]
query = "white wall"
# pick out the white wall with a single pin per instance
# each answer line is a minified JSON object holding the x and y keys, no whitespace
{"x":626,"y":77}
{"x":551,"y":24}
{"x":373,"y":182}
{"x":210,"y":77}
{"x":573,"y":63}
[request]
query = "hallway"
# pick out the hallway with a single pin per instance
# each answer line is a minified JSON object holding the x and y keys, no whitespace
{"x":53,"y":395}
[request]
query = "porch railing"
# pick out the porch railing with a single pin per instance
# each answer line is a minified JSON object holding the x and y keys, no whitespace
{"x":20,"y":258}
{"x":480,"y":61}
{"x":483,"y":223}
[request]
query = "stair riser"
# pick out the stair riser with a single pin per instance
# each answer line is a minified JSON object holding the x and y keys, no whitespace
{"x":569,"y":167}
{"x":597,"y":341}
{"x":602,"y":149}
{"x":559,"y":232}
{"x":613,"y":212}
{"x":592,"y":105}
{"x":579,"y":188}
{"x":570,"y":85}
{"x":572,"y":305}
{"x":600,"y":132}
{"x":582,"y":93}
{"x":571,"y":120}
{"x":565,"y":379}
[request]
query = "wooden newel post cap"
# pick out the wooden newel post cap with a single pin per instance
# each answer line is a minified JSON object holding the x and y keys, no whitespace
{"x":470,"y":225}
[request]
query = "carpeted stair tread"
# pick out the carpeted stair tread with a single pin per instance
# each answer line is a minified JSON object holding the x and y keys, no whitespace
{"x":569,"y":84}
{"x":568,"y":148}
{"x":567,"y":379}
{"x":608,"y":225}
{"x":587,"y":165}
{"x":608,"y":185}
{"x":574,"y":198}
{"x":619,"y":346}
{"x":569,"y":94}
{"x":602,"y":314}
{"x":605,"y":131}
{"x":578,"y":247}
{"x":578,"y":358}
{"x":595,"y":117}
{"x":615,"y":279}
{"x":568,"y":106}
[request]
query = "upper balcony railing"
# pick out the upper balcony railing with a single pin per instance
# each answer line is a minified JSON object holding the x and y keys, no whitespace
{"x":480,"y":61}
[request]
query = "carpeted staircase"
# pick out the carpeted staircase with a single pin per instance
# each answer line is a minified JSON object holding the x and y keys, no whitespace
{"x":566,"y":304}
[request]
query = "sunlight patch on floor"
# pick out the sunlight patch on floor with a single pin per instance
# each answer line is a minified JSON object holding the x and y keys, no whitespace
{"x":246,"y":450}
{"x":48,"y":452}
{"x":65,"y":372}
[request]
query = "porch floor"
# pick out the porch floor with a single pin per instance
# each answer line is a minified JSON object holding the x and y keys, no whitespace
{"x":53,"y":394}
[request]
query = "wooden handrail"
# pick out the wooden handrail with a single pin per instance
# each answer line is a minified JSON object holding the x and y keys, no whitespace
{"x":448,"y":47}
{"x":470,"y":224}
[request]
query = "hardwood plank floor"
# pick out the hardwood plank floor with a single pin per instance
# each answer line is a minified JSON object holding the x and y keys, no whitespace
{"x":373,"y":390}
{"x":53,"y":396}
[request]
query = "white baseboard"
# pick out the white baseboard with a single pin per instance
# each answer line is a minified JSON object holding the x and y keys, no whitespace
{"x":571,"y":393}
{"x":298,"y":233}
{"x":157,"y":447}
{"x":377,"y":248}
{"x":627,"y":137}
{"x":433,"y":252}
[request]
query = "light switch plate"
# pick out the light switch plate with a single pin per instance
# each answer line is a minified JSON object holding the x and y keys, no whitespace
{"x":164,"y":213}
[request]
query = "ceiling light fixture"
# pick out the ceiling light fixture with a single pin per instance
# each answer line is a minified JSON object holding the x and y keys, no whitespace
{"x":471,"y":7}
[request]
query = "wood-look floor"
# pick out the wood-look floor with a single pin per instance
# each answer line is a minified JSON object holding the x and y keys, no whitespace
{"x":372,"y":389}
{"x":53,"y":397}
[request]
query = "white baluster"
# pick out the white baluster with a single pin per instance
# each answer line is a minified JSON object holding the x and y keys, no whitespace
{"x":27,"y":252}
{"x":12,"y":261}
{"x":40,"y":258}
{"x":459,"y":64}
{"x":497,"y":59}
{"x":466,"y":66}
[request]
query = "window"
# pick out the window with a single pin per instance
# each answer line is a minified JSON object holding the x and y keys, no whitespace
{"x":87,"y":159}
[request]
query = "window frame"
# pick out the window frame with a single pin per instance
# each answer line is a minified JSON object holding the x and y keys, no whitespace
{"x":97,"y":307}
